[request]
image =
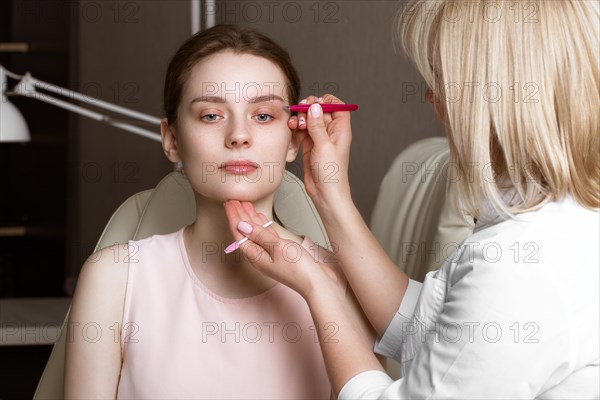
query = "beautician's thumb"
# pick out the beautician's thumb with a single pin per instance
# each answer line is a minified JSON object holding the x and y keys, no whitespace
{"x":316,"y":125}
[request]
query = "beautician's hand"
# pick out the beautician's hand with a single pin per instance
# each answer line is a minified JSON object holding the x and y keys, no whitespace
{"x":325,"y":140}
{"x":328,"y":141}
{"x":283,"y":260}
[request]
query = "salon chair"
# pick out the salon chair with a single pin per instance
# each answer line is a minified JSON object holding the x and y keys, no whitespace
{"x":165,"y":209}
{"x":414,"y":218}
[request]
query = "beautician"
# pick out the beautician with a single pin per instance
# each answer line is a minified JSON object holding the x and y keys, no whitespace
{"x":523,"y":323}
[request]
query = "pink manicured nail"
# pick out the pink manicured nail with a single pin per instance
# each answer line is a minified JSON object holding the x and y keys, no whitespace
{"x":303,"y":101}
{"x":244,"y":227}
{"x":315,"y":110}
{"x":301,"y":121}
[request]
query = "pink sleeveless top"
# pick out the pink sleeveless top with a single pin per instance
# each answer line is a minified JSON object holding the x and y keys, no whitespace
{"x":182,"y":341}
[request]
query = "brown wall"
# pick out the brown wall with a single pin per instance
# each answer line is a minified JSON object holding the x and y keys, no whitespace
{"x":124,"y":48}
{"x":344,"y":47}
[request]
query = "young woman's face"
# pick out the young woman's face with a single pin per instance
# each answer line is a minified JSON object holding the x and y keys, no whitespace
{"x":231,"y":132}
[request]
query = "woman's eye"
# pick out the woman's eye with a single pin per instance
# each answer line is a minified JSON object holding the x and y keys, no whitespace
{"x":210,"y":117}
{"x":263,"y":117}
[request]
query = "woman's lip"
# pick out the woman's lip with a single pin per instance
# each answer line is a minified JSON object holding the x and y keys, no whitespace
{"x":239,"y":167}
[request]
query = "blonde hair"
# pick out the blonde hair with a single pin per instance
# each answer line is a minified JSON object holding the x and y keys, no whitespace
{"x":519,"y":84}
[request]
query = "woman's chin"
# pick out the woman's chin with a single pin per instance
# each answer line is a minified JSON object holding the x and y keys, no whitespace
{"x":241,"y":194}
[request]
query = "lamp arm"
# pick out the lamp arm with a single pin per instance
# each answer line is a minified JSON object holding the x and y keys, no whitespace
{"x":90,"y":114}
{"x":29,"y":83}
{"x":27,"y":88}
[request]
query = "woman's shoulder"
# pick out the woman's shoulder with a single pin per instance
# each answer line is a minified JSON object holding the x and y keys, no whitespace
{"x":112,"y":262}
{"x":99,"y":296}
{"x":98,"y":302}
{"x":170,"y":237}
{"x":563,"y":222}
{"x":558,"y":240}
{"x":105,"y":271}
{"x":162,"y":244}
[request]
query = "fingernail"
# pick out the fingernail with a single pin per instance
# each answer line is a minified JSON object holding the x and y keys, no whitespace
{"x":315,"y":110}
{"x":320,"y":100}
{"x":301,"y":121}
{"x":304,"y":101}
{"x":244,"y":227}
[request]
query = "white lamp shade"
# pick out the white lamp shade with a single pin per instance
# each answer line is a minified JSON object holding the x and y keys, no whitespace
{"x":13,"y":127}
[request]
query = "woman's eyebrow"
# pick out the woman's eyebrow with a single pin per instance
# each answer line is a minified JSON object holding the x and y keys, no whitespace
{"x":262,"y":99}
{"x":217,"y":99}
{"x":208,"y":99}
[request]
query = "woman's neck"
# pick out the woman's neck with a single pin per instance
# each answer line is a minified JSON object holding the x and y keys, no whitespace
{"x":227,"y":275}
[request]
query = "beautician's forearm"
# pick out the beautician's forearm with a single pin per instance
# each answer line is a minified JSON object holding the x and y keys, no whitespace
{"x":377,"y":282}
{"x":344,"y":348}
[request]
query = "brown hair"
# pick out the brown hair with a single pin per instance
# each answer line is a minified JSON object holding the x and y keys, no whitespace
{"x":219,"y":38}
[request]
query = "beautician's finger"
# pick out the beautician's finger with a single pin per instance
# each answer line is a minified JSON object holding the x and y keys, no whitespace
{"x":328,"y":98}
{"x":316,"y":125}
{"x":236,"y":211}
{"x":248,"y":208}
{"x":302,"y":121}
{"x":302,"y":116}
{"x":244,"y":213}
{"x":267,"y":253}
{"x":298,"y":121}
{"x":262,"y":243}
{"x":325,"y":117}
{"x":256,"y":217}
{"x":232,"y":211}
{"x":337,"y":124}
{"x":293,"y":122}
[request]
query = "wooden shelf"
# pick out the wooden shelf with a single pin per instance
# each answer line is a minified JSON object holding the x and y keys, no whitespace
{"x":12,"y":231}
{"x":37,"y":231}
{"x":14,"y":47}
{"x":33,"y":227}
{"x":22,"y":47}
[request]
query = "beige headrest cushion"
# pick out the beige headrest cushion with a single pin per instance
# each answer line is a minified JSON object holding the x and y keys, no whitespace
{"x":414,"y":218}
{"x":172,"y":206}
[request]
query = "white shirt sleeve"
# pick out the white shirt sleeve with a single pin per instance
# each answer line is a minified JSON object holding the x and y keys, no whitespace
{"x":366,"y":385}
{"x":390,"y":343}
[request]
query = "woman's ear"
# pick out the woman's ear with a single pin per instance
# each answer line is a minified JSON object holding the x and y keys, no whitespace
{"x":169,"y":141}
{"x":293,"y":148}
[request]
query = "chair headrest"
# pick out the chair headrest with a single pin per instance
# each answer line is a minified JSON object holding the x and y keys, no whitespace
{"x":414,"y":217}
{"x":172,"y":205}
{"x":296,"y":210}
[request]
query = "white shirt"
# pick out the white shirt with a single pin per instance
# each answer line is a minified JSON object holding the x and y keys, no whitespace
{"x":514,"y":314}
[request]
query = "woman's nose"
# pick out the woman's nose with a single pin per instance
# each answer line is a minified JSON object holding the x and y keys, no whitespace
{"x":238,"y":136}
